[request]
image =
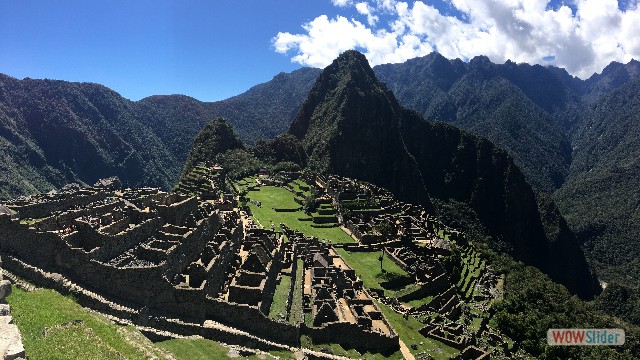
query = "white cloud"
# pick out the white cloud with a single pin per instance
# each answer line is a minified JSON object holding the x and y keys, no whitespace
{"x":366,"y":10}
{"x":583,"y":41}
{"x":341,"y":3}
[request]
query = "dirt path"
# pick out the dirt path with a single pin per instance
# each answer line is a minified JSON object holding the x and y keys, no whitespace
{"x":349,"y":233}
{"x":406,"y":353}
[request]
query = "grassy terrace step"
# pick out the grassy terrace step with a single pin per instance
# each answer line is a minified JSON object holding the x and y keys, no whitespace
{"x":367,"y":266}
{"x":407,"y":330}
{"x":54,"y":327}
{"x":203,"y":349}
{"x":473,"y":266}
{"x":46,"y":320}
{"x":419,"y":302}
{"x":338,"y":350}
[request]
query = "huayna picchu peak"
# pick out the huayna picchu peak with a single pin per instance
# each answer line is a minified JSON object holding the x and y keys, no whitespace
{"x":351,"y":125}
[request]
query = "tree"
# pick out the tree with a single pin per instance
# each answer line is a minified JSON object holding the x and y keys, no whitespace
{"x":309,"y":205}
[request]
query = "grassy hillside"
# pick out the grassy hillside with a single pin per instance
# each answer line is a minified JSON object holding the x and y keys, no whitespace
{"x":55,"y":327}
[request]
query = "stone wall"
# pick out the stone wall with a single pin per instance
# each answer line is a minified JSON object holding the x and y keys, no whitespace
{"x":272,"y":276}
{"x":175,"y":213}
{"x":352,"y":336}
{"x":114,"y":245}
{"x":42,"y":209}
{"x":144,"y":286}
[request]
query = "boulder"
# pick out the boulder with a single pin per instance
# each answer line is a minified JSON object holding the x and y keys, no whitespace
{"x":5,"y":289}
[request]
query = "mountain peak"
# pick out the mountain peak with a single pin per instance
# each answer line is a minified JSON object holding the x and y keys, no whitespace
{"x":352,"y":57}
{"x":214,"y":139}
{"x":346,"y":80}
{"x":480,"y":61}
{"x":352,"y":65}
{"x":350,"y":126}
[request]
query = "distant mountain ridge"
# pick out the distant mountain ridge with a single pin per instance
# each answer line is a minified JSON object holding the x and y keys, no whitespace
{"x":55,"y":132}
{"x":575,"y":139}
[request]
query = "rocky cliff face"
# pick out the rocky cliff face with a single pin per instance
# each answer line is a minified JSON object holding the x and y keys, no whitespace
{"x":351,"y":125}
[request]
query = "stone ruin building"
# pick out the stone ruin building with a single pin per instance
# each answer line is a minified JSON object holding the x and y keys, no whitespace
{"x":416,"y":242}
{"x":183,"y":264}
{"x":339,"y":308}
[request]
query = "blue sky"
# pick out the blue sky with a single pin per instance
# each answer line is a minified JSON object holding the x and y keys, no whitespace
{"x":212,"y":50}
{"x":207,"y":49}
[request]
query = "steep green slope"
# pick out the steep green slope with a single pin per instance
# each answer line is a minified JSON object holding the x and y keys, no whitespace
{"x":509,"y":104}
{"x":56,"y":132}
{"x":601,"y":198}
{"x":267,"y":109}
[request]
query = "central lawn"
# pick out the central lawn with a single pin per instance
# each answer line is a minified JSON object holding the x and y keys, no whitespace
{"x":273,"y":197}
{"x":367,"y":266}
{"x":419,"y":302}
{"x":92,"y":337}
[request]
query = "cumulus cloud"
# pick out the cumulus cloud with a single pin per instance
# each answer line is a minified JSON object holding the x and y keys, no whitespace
{"x":583,"y":39}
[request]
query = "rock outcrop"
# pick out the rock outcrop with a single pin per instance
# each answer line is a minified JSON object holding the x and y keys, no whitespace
{"x":10,"y":339}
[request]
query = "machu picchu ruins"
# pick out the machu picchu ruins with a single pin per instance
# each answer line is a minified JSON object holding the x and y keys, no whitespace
{"x":197,"y":261}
